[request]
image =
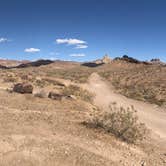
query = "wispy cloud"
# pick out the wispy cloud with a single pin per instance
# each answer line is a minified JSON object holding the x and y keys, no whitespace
{"x":4,"y":40}
{"x":77,"y":55}
{"x":32,"y":50}
{"x":76,"y":42}
{"x":81,"y":46}
{"x":70,"y":41}
{"x":54,"y":53}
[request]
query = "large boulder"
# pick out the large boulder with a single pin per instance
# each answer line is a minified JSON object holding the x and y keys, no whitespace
{"x":23,"y":88}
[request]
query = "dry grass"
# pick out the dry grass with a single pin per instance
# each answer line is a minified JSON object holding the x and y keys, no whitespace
{"x":137,"y":81}
{"x":10,"y":79}
{"x":78,"y":92}
{"x":77,"y":74}
{"x":141,"y":82}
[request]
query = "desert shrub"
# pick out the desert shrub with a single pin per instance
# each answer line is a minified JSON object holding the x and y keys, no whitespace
{"x":10,"y":79}
{"x":40,"y":83}
{"x":78,"y":92}
{"x":121,"y":122}
{"x":24,"y":77}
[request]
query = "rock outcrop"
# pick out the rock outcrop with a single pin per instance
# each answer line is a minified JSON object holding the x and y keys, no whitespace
{"x":156,"y":61}
{"x":105,"y":60}
{"x":130,"y":60}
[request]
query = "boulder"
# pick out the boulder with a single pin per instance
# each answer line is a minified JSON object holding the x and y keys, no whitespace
{"x":23,"y":88}
{"x":55,"y":95}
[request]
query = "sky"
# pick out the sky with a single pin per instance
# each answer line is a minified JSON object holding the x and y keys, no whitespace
{"x":82,"y":30}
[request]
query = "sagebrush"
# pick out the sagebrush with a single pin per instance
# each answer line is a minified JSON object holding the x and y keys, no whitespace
{"x":121,"y":122}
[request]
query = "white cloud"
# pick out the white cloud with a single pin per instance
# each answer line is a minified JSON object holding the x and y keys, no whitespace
{"x":32,"y":50}
{"x":77,"y":55}
{"x":76,"y":42}
{"x":4,"y":40}
{"x":70,"y":41}
{"x":79,"y":46}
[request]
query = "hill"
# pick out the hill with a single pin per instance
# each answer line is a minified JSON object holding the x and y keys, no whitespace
{"x":47,"y":126}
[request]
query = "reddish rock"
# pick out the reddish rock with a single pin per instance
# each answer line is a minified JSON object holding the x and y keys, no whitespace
{"x":23,"y":88}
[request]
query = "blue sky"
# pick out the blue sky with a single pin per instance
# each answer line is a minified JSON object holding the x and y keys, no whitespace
{"x":82,"y":30}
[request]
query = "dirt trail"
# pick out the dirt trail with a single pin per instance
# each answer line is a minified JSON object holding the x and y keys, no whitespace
{"x":153,"y":116}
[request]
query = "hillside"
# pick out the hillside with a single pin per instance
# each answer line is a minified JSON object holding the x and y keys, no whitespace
{"x":43,"y":128}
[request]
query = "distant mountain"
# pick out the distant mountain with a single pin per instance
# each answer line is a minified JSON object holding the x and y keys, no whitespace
{"x":10,"y":63}
{"x":35,"y":63}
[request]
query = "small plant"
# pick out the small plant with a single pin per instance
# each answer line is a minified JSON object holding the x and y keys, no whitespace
{"x":121,"y":122}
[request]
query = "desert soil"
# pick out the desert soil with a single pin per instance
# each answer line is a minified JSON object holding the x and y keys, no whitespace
{"x":39,"y":132}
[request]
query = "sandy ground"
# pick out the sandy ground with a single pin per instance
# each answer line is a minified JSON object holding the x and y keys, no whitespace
{"x":40,"y":132}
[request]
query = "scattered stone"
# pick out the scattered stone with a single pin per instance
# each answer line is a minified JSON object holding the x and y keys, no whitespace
{"x":23,"y":88}
{"x":70,"y":97}
{"x":143,"y":163}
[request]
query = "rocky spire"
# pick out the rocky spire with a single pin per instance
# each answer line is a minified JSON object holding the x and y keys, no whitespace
{"x":106,"y":59}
